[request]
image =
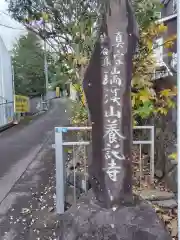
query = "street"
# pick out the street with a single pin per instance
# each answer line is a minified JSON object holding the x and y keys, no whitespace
{"x":20,"y":144}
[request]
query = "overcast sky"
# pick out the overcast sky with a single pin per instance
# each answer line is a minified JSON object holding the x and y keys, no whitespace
{"x":8,"y":35}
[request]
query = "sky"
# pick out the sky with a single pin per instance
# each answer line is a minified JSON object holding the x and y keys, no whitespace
{"x":9,"y":35}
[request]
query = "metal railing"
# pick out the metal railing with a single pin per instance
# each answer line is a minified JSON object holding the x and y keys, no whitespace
{"x":6,"y":113}
{"x":61,"y":171}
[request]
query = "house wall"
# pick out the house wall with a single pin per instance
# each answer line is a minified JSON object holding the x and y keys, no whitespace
{"x":6,"y":87}
{"x":171,"y":24}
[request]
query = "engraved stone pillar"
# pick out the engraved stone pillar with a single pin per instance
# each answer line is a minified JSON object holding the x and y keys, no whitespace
{"x":107,"y":85}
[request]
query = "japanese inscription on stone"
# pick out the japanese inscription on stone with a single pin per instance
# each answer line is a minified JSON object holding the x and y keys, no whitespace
{"x":113,"y":86}
{"x":107,"y":85}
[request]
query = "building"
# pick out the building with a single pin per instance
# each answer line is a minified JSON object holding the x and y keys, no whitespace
{"x":166,"y":77}
{"x":167,"y":57}
{"x":6,"y":87}
{"x":166,"y":74}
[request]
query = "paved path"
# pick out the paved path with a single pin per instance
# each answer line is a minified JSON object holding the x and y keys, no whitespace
{"x":19,"y":145}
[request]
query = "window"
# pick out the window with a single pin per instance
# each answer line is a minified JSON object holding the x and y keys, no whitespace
{"x":174,"y":6}
{"x":158,"y":50}
{"x":158,"y":15}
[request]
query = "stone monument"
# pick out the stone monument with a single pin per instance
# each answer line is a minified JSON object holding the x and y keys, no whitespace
{"x":109,"y":210}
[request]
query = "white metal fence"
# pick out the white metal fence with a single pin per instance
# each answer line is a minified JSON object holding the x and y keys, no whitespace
{"x":79,"y":149}
{"x":6,"y":113}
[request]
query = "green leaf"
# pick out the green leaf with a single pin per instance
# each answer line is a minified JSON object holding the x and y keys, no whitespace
{"x":173,"y":156}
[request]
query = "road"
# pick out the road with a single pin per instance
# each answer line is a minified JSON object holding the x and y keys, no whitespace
{"x":20,"y":144}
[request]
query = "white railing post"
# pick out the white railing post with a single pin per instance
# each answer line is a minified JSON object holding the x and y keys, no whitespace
{"x":59,"y":170}
{"x":152,"y":156}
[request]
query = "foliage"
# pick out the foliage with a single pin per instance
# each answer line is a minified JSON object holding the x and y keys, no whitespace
{"x":69,"y":28}
{"x":79,"y":109}
{"x":28,"y":62}
{"x":63,"y":24}
{"x":173,"y":156}
{"x":146,"y":102}
{"x":79,"y":114}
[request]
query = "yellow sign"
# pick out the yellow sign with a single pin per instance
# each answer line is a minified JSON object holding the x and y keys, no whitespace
{"x":57,"y":92}
{"x":21,"y":104}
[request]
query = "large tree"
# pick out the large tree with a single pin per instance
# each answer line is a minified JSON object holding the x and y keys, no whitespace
{"x":55,"y":21}
{"x":28,"y":62}
{"x":69,"y":27}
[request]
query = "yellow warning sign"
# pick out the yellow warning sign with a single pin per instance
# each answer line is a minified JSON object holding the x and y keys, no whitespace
{"x":57,"y":92}
{"x":21,"y":104}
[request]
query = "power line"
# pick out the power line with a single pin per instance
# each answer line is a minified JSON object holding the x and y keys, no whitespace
{"x":5,"y":13}
{"x":3,"y":25}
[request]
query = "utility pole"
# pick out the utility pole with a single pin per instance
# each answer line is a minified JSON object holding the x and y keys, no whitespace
{"x":45,"y":68}
{"x":43,"y":2}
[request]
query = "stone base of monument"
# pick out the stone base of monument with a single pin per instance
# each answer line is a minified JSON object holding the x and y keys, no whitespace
{"x":87,"y":220}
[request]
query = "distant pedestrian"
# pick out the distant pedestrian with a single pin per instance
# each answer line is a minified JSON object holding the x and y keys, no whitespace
{"x":61,"y":91}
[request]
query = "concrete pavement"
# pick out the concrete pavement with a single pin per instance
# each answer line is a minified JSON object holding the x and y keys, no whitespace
{"x":27,"y":211}
{"x":20,"y":145}
{"x":27,"y":169}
